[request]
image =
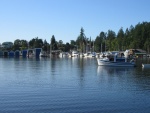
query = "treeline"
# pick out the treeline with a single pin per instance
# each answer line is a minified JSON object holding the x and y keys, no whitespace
{"x":137,"y":37}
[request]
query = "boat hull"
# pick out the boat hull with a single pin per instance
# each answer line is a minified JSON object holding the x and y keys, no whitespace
{"x":112,"y":63}
{"x":145,"y":65}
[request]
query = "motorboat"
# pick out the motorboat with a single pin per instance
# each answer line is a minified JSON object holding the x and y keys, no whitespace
{"x":114,"y":60}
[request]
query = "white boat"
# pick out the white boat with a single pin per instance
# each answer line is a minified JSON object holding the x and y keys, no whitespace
{"x":114,"y":60}
{"x":63,"y":54}
{"x":74,"y":54}
{"x":90,"y":54}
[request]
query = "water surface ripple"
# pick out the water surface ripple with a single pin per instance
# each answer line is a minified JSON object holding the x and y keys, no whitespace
{"x":71,"y":85}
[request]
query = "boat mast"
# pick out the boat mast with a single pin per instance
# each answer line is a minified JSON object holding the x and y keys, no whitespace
{"x":50,"y":48}
{"x":93,"y":45}
{"x":105,"y":45}
{"x":101,"y":47}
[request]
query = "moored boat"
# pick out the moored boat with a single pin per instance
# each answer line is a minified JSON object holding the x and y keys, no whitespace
{"x":74,"y":54}
{"x":90,"y":54}
{"x":114,"y":60}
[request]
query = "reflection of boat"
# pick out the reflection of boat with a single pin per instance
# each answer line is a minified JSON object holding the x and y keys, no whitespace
{"x":113,"y":70}
{"x":114,"y":60}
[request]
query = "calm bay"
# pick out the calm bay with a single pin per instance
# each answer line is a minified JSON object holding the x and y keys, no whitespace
{"x":72,"y":85}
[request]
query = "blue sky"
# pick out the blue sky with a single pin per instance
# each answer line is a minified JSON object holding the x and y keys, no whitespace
{"x":27,"y":19}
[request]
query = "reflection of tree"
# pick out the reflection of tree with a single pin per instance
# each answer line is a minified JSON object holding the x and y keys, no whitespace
{"x":81,"y":72}
{"x":53,"y":63}
{"x":53,"y":67}
{"x":81,"y":64}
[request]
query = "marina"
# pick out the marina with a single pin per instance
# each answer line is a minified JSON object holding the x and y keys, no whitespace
{"x":72,"y":56}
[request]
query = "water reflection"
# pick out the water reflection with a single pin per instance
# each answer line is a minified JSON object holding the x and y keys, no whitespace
{"x":131,"y":79}
{"x":114,"y":76}
{"x":113,"y":70}
{"x":71,"y":85}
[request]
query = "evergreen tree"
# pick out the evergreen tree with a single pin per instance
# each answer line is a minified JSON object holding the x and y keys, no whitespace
{"x":120,"y":37}
{"x":53,"y":43}
{"x":81,"y":40}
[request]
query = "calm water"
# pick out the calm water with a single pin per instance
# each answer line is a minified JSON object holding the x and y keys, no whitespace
{"x":72,"y":85}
